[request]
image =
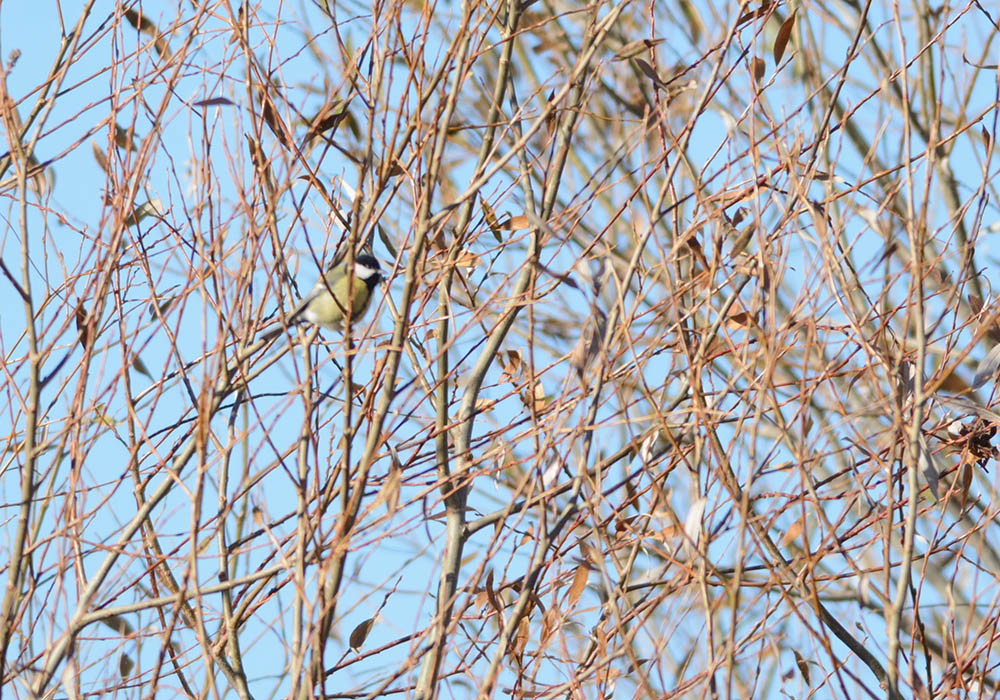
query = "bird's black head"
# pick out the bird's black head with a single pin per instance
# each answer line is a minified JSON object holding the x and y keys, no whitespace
{"x":366,"y":268}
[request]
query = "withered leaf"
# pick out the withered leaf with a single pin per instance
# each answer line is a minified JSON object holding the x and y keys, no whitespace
{"x":360,"y":633}
{"x":634,"y":48}
{"x":753,"y":14}
{"x":125,"y":665}
{"x":81,"y":326}
{"x":140,"y":22}
{"x":214,"y":101}
{"x":140,"y":366}
{"x":580,"y":577}
{"x":784,"y":34}
{"x":650,"y":72}
{"x":515,"y":223}
{"x":102,"y":160}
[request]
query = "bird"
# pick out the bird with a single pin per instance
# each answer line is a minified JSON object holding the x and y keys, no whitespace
{"x":336,"y":290}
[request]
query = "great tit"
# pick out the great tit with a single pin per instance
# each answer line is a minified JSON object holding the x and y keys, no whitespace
{"x":327,"y":303}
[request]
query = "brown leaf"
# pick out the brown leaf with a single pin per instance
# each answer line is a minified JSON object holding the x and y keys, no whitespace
{"x":119,"y":624}
{"x":794,"y":530}
{"x":270,"y":115}
{"x":257,"y":156}
{"x":125,"y":665}
{"x":650,"y":72}
{"x":634,"y":48}
{"x":695,"y":25}
{"x":550,"y":117}
{"x":535,"y":398}
{"x":140,"y":366}
{"x":328,"y":118}
{"x":161,"y":47}
{"x":962,"y":481}
{"x":511,"y":369}
{"x":360,"y":633}
{"x":759,"y":68}
{"x":390,"y":489}
{"x":515,"y":223}
{"x":81,"y":326}
{"x":146,"y":26}
{"x":580,"y":577}
{"x":741,"y":320}
{"x":784,"y":34}
{"x":522,"y":636}
{"x":140,"y":22}
{"x":549,"y":620}
{"x":952,"y":383}
{"x":802,"y":664}
{"x":214,"y":102}
{"x":491,"y":594}
{"x":102,"y":160}
{"x":591,"y":342}
{"x":754,"y":14}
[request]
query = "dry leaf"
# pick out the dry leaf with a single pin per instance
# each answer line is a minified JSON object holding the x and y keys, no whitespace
{"x":140,"y":366}
{"x":140,"y":22}
{"x":802,"y":664}
{"x":491,"y":594}
{"x":512,"y":367}
{"x":580,"y":577}
{"x":83,"y":332}
{"x":515,"y":223}
{"x":125,"y":665}
{"x":522,"y":636}
{"x":634,"y":48}
{"x":146,"y":26}
{"x":550,"y":116}
{"x":102,"y":160}
{"x":784,"y":34}
{"x":360,"y":633}
{"x":535,"y":398}
{"x":650,"y":72}
{"x":588,"y":347}
{"x":792,"y":533}
{"x":119,"y":624}
{"x":214,"y":102}
{"x":390,"y":489}
{"x":161,"y":47}
{"x":270,"y":115}
{"x":741,"y":320}
{"x":753,"y":14}
{"x":962,"y":481}
{"x":328,"y":118}
{"x":549,"y":620}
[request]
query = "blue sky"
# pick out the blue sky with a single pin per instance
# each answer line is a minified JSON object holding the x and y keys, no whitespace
{"x":213,"y":228}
